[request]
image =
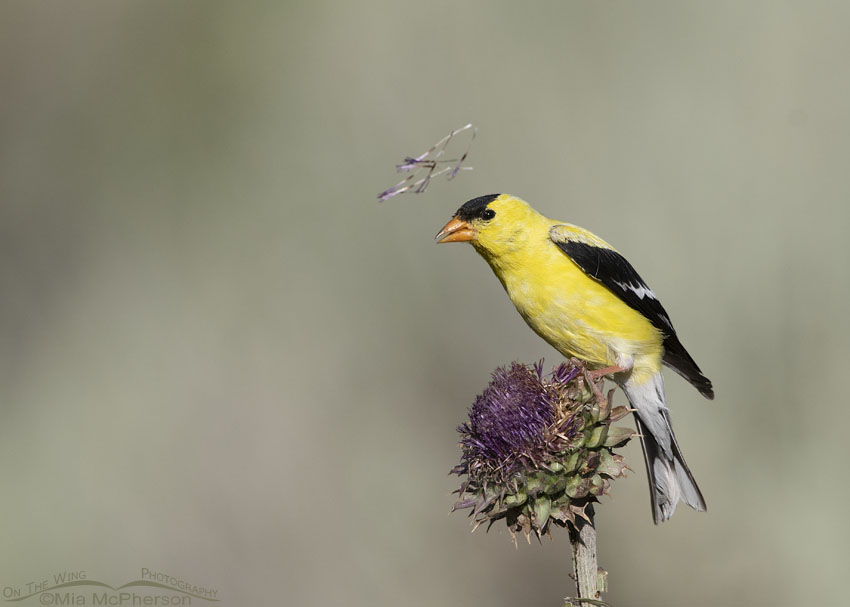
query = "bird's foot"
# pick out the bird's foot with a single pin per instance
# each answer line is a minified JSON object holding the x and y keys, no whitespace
{"x":597,"y":373}
{"x":592,"y":378}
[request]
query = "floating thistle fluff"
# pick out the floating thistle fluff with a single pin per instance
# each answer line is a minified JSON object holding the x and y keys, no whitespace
{"x":423,"y":168}
{"x":538,"y":450}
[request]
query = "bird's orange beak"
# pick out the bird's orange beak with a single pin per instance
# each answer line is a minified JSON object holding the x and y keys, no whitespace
{"x":456,"y":230}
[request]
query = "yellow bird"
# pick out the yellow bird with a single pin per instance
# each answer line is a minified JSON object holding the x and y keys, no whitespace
{"x":587,"y":301}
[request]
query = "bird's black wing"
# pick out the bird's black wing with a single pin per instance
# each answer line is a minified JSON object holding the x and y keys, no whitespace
{"x":617,"y":274}
{"x":612,"y":270}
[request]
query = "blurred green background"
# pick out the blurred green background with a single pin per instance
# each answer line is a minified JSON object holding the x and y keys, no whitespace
{"x":223,"y":359}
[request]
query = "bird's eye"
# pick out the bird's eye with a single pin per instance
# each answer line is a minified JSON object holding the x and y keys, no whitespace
{"x":488,"y":214}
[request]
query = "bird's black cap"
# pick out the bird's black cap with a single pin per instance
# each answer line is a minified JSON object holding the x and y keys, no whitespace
{"x":474,"y":208}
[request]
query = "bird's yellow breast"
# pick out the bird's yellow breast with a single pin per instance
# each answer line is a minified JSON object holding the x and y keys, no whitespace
{"x":576,"y":314}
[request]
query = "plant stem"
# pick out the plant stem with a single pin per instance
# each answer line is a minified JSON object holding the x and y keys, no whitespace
{"x":583,"y":540}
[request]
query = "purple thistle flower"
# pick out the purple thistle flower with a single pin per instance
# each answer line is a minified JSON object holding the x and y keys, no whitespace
{"x":564,"y":373}
{"x":538,"y":449}
{"x":508,"y":420}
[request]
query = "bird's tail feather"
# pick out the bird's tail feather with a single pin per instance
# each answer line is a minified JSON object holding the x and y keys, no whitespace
{"x":670,"y":479}
{"x":678,"y":359}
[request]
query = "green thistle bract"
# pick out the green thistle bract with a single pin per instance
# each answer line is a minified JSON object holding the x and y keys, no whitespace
{"x":538,"y":449}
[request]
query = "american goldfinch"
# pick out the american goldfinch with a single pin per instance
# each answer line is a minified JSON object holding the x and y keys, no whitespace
{"x":587,"y":301}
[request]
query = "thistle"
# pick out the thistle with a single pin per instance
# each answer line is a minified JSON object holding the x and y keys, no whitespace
{"x":537,"y":451}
